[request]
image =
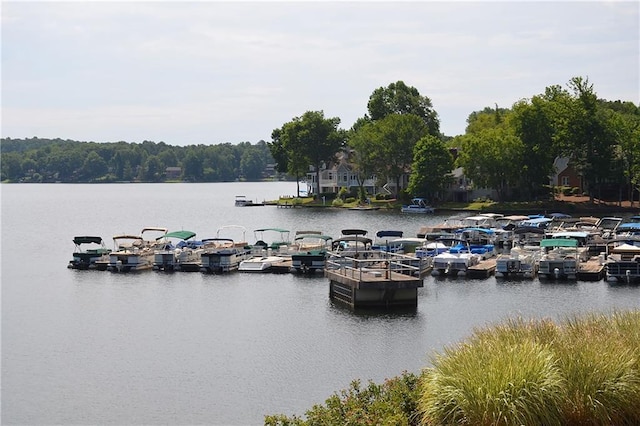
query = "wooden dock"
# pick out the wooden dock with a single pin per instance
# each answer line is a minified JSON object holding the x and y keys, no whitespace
{"x":382,"y":283}
{"x":484,"y":269}
{"x":591,"y":270}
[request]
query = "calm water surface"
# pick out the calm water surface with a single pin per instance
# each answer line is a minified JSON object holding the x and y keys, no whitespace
{"x":88,"y":347}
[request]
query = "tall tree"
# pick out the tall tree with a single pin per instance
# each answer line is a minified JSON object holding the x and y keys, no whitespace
{"x":586,"y":135}
{"x":492,"y":159}
{"x":311,"y":139}
{"x":398,"y":98}
{"x":432,"y":164}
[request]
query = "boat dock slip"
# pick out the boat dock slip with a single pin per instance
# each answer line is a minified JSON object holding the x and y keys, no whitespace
{"x":482,"y":269}
{"x":591,"y":270}
{"x":375,"y":279}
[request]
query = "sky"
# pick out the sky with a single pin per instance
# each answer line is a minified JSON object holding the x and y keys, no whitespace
{"x":210,"y":72}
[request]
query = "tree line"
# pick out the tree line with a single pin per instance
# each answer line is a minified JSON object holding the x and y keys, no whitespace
{"x":57,"y":160}
{"x":511,"y":150}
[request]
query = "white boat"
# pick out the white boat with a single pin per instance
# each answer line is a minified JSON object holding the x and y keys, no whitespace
{"x":418,"y":205}
{"x":519,"y":262}
{"x":133,"y":253}
{"x":481,"y":241}
{"x":265,"y":264}
{"x":172,"y":256}
{"x":88,"y":251}
{"x":243,"y":201}
{"x":456,"y":260}
{"x":223,"y":254}
{"x":561,"y":257}
{"x":623,"y":261}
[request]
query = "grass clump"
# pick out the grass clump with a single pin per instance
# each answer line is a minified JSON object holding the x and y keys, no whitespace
{"x":583,"y":372}
{"x":493,"y":381}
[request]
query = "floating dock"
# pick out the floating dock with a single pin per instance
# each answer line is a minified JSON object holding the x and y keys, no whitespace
{"x":591,"y":270}
{"x":483,"y":269}
{"x":376,"y":280}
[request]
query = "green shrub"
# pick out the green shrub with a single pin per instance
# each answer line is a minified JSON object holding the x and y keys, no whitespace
{"x":350,"y":200}
{"x":393,"y":403}
{"x":337,"y":202}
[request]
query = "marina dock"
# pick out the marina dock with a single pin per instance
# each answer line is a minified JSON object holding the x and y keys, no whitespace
{"x":385,"y":282}
{"x":591,"y":270}
{"x":483,"y":269}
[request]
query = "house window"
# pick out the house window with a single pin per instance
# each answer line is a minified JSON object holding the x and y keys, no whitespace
{"x":330,"y":176}
{"x":565,"y":180}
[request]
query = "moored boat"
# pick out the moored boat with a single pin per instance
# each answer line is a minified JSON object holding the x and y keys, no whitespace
{"x":417,"y":205}
{"x":133,"y":253}
{"x":519,"y":262}
{"x":243,"y":201}
{"x":560,"y":258}
{"x":623,"y":261}
{"x":171,"y":256}
{"x":309,"y":252}
{"x":456,"y":260}
{"x":222,"y":254}
{"x":88,"y":251}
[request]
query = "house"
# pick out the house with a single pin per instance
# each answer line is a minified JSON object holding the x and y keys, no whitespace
{"x":461,"y":189}
{"x":565,"y":174}
{"x":339,"y":175}
{"x":173,"y":172}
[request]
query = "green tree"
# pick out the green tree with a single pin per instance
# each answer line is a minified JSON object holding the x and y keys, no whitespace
{"x":310,"y":139}
{"x":94,"y":167}
{"x":492,"y":159}
{"x":252,"y":163}
{"x":393,"y":140}
{"x":535,"y":123}
{"x":626,"y":126}
{"x":11,"y":167}
{"x":192,"y":169}
{"x":432,"y":164}
{"x":287,"y":162}
{"x":398,"y":98}
{"x":586,"y":136}
{"x":153,"y":169}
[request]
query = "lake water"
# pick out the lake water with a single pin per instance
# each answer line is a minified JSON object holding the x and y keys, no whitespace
{"x":89,"y":347}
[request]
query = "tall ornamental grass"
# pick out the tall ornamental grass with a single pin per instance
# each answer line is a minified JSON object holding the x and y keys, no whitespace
{"x":583,"y":372}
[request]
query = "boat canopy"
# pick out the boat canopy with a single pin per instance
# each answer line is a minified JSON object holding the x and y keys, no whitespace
{"x":87,"y":240}
{"x":481,"y":230}
{"x":184,"y":235}
{"x":629,"y":226}
{"x":559,"y":242}
{"x":352,"y":239}
{"x":354,"y":232}
{"x":570,"y":234}
{"x":383,"y":234}
{"x":272,"y":229}
{"x":515,"y":217}
{"x":528,"y":230}
{"x":536,"y":221}
{"x":317,"y":236}
{"x":626,"y":248}
{"x":127,"y":237}
{"x":560,"y":215}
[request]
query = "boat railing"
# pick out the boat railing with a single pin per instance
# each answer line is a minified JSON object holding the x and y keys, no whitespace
{"x":374,"y":263}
